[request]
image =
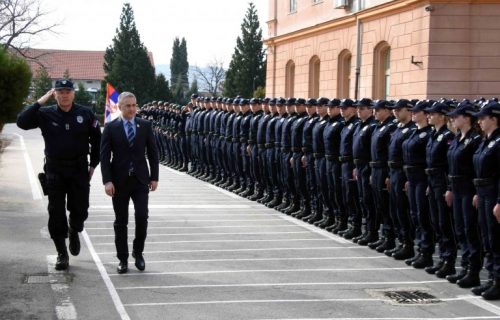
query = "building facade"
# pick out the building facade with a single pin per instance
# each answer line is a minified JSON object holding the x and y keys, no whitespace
{"x":383,"y":49}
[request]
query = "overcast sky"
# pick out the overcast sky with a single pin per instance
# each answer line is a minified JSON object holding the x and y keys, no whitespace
{"x":210,"y":27}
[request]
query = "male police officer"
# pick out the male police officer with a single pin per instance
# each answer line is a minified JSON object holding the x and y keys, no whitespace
{"x":67,"y":129}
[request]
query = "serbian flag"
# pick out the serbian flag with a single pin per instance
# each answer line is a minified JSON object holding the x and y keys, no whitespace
{"x":112,"y":110}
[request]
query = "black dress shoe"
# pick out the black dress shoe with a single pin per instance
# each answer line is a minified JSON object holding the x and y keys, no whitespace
{"x":74,"y":242}
{"x":122,"y":267}
{"x":62,"y":262}
{"x":139,"y":261}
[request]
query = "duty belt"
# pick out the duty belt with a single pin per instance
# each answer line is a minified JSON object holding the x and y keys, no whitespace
{"x":457,"y":178}
{"x":277,"y":144}
{"x":360,"y":162}
{"x":345,"y":158}
{"x":286,"y":149}
{"x":378,"y":164}
{"x":331,"y":157}
{"x":296,"y":149}
{"x":409,"y":169}
{"x":261,"y":146}
{"x":269,"y":145}
{"x":229,"y":139}
{"x":433,"y":171}
{"x":306,"y":149}
{"x":395,"y":164}
{"x":66,"y":162}
{"x":318,"y":155}
{"x":481,"y":182}
{"x":235,"y":140}
{"x":243,"y":140}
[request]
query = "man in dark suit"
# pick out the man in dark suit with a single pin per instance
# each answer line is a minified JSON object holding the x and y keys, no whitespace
{"x":125,"y":142}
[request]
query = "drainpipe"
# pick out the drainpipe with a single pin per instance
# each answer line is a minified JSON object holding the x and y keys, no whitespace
{"x":359,"y":31}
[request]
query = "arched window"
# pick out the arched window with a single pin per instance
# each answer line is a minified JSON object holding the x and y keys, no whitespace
{"x":290,"y":79}
{"x":344,"y":74}
{"x":314,"y":68}
{"x":381,"y":70}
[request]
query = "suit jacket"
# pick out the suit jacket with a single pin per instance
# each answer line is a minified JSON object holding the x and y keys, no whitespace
{"x":116,"y":154}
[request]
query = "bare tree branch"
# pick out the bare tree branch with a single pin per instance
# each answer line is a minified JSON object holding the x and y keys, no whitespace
{"x":19,"y":21}
{"x":212,"y":76}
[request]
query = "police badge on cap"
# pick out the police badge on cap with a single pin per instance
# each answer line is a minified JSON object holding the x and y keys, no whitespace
{"x":64,"y":84}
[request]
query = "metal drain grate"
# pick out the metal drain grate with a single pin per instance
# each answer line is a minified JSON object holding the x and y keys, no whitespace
{"x":46,"y":278}
{"x":411,"y":297}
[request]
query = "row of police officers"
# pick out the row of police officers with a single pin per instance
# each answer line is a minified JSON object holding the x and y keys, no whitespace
{"x":401,"y":177}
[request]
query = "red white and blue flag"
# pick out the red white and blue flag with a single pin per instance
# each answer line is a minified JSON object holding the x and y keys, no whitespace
{"x":112,"y":111}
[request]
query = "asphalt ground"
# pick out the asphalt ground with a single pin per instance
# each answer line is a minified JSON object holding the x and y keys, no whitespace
{"x":209,"y":255}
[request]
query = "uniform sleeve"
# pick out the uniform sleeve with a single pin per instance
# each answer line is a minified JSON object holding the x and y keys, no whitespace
{"x":95,"y":141}
{"x":498,"y":175}
{"x":28,"y":118}
{"x":105,"y":156}
{"x":152,"y":155}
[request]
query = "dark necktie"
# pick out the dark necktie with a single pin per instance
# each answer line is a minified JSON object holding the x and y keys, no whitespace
{"x":130,"y":133}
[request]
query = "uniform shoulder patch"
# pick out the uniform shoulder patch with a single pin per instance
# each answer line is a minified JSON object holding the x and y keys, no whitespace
{"x":423,"y":135}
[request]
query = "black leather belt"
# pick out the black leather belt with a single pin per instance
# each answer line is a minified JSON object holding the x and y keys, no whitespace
{"x":433,"y":171}
{"x":318,"y":155}
{"x":269,"y":145}
{"x":378,"y":164}
{"x":345,"y":158}
{"x":360,"y":162}
{"x":331,"y":157}
{"x":395,"y":164}
{"x":409,"y":169}
{"x":235,"y":140}
{"x":481,"y":182}
{"x":66,"y":162}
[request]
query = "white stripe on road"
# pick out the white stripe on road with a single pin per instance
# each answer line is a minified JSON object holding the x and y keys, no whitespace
{"x":178,"y":215}
{"x":292,"y":284}
{"x":482,"y":304}
{"x":217,"y":241}
{"x":259,"y":271}
{"x":182,"y":206}
{"x":227,"y":193}
{"x":212,"y":227}
{"x":264,"y":259}
{"x":398,"y":318}
{"x":209,"y":234}
{"x":35,"y":190}
{"x":153,"y":304}
{"x":65,"y":309}
{"x":242,"y":250}
{"x":105,"y":277}
{"x":175,"y":171}
{"x":189,"y":220}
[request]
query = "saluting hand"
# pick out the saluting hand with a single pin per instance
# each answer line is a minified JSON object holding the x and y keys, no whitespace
{"x":109,"y":188}
{"x":46,"y":97}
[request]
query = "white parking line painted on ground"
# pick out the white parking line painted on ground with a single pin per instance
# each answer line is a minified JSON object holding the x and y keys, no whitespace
{"x":227,"y":193}
{"x":182,"y":206}
{"x":398,"y":318}
{"x":186,"y":220}
{"x":481,"y":303}
{"x":175,"y":172}
{"x":242,"y":250}
{"x":209,"y":234}
{"x":65,"y":310}
{"x":315,"y":229}
{"x":35,"y":190}
{"x":105,"y":277}
{"x":291,"y":284}
{"x":262,"y":259}
{"x":217,"y":241}
{"x":260,"y":270}
{"x":213,"y":227}
{"x":196,"y":215}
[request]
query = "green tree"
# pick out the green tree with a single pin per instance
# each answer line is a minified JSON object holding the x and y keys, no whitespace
{"x":15,"y":79}
{"x":41,"y":84}
{"x":126,"y":62}
{"x":82,"y":96}
{"x":179,"y":66}
{"x":162,"y":89}
{"x":246,"y":70}
{"x":193,"y":88}
{"x":66,"y":75}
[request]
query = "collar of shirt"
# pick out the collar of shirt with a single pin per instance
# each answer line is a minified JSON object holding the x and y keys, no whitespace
{"x":125,"y":121}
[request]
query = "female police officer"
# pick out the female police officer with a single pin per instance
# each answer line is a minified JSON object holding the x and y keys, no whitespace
{"x":486,"y":162}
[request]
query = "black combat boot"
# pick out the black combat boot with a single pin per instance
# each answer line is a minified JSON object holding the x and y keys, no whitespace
{"x":376,"y":244}
{"x":423,"y":261}
{"x":405,"y":252}
{"x":74,"y":242}
{"x":388,"y":244}
{"x":354,"y":232}
{"x":371,"y":236}
{"x":276,"y":201}
{"x":447,"y":269}
{"x":341,"y":227}
{"x":455,"y":277}
{"x":470,"y":280}
{"x":482,"y":288}
{"x":62,"y":262}
{"x":432,"y":269}
{"x":493,"y":293}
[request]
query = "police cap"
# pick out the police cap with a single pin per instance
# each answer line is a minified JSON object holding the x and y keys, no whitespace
{"x":291,"y":101}
{"x":346,"y":103}
{"x":464,"y":108}
{"x":255,"y":101}
{"x":490,"y":109}
{"x":64,"y":84}
{"x":365,"y":102}
{"x":280,"y":102}
{"x":244,"y":102}
{"x":266,"y":100}
{"x":272,"y":102}
{"x":421,"y":106}
{"x":194,"y":96}
{"x":381,"y":104}
{"x":311,"y":102}
{"x":438,"y":107}
{"x":323,"y":101}
{"x":333,"y":103}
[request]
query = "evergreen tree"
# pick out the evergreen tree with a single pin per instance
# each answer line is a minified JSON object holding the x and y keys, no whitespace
{"x":179,"y":66}
{"x":42,"y":84}
{"x":246,"y":70}
{"x":15,"y":79}
{"x":82,"y":97}
{"x":126,"y":61}
{"x":162,"y":89}
{"x":193,"y":88}
{"x":66,"y":74}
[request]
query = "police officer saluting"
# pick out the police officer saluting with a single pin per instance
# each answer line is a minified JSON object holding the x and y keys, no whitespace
{"x":67,"y":129}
